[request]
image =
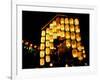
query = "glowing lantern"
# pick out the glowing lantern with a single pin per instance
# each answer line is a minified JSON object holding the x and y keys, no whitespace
{"x":76,"y":21}
{"x":62,"y":34}
{"x":66,"y":27}
{"x":84,"y":55}
{"x":68,"y":43}
{"x":74,"y":53}
{"x":42,"y":46}
{"x":54,"y":29}
{"x":73,"y":36}
{"x":78,"y":44}
{"x":47,"y":58}
{"x":62,"y":21}
{"x":51,"y":31}
{"x":51,"y":26}
{"x":47,"y":36}
{"x":84,"y":51}
{"x":43,"y":33}
{"x":71,"y":21}
{"x":78,"y":37}
{"x":51,"y":38}
{"x":72,"y":28}
{"x":80,"y":58}
{"x":79,"y":48}
{"x":42,"y":39}
{"x":66,"y":21}
{"x":47,"y":44}
{"x":47,"y":51}
{"x":67,"y":35}
{"x":54,"y":35}
{"x":58,"y":26}
{"x":73,"y":44}
{"x":47,"y":30}
{"x":41,"y":54}
{"x":54,"y":23}
{"x":77,"y":29}
{"x":51,"y":46}
{"x":41,"y":62}
{"x":62,"y":27}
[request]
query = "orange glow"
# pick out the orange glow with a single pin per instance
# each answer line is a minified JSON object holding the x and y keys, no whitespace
{"x":66,"y":27}
{"x":41,"y":62}
{"x":62,"y":21}
{"x":74,"y":53}
{"x":43,"y":33}
{"x":68,"y":44}
{"x":42,"y":46}
{"x":54,"y":35}
{"x":78,"y":37}
{"x":73,"y":36}
{"x":72,"y":28}
{"x":67,"y":35}
{"x":76,"y":21}
{"x":66,"y":21}
{"x":41,"y":54}
{"x":42,"y":39}
{"x":47,"y":36}
{"x":71,"y":21}
{"x":62,"y":27}
{"x":47,"y":58}
{"x":73,"y":44}
{"x":77,"y":29}
{"x":51,"y":46}
{"x":47,"y":43}
{"x":47,"y":51}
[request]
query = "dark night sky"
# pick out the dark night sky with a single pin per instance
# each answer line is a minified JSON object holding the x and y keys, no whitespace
{"x":34,"y":21}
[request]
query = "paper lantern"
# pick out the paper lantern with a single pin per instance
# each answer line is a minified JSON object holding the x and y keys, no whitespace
{"x":66,"y":27}
{"x":51,"y":46}
{"x":71,"y":21}
{"x":77,"y":29}
{"x":74,"y":53}
{"x":47,"y":30}
{"x":72,"y":36}
{"x":42,"y":54}
{"x":68,"y":44}
{"x":67,"y":35}
{"x":54,"y":35}
{"x":80,"y":58}
{"x":42,"y":39}
{"x":47,"y":51}
{"x":62,"y":20}
{"x":66,"y":21}
{"x":41,"y":62}
{"x":71,"y":28}
{"x":76,"y":21}
{"x":47,"y":58}
{"x":42,"y":46}
{"x":62,"y":27}
{"x":84,"y":51}
{"x":51,"y":38}
{"x":47,"y":37}
{"x":73,"y":44}
{"x":47,"y":44}
{"x":84,"y":55}
{"x":43,"y":33}
{"x":54,"y":23}
{"x":78,"y":37}
{"x":62,"y":34}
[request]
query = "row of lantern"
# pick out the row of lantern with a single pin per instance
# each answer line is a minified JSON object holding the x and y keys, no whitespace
{"x":55,"y":29}
{"x":70,"y":21}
